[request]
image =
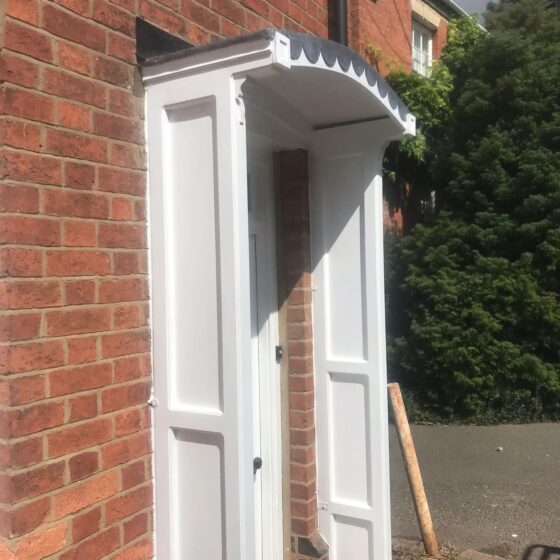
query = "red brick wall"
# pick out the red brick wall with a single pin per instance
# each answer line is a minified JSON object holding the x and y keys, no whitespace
{"x":440,"y":38}
{"x":392,"y":218}
{"x":385,"y":25}
{"x":74,"y":348}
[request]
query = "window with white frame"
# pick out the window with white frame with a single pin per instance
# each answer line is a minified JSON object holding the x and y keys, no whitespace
{"x":421,"y":48}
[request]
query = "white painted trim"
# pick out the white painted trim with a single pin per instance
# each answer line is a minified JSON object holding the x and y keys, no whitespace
{"x":270,"y":391}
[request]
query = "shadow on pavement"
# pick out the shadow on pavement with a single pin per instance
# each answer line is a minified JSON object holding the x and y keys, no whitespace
{"x":541,"y":552}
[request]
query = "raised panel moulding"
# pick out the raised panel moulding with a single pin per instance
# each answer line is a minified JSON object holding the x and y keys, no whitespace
{"x":191,"y":206}
{"x":197,"y":480}
{"x":350,"y":449}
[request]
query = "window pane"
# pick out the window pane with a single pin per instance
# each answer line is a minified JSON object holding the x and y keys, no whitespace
{"x":417,"y":39}
{"x":421,"y":48}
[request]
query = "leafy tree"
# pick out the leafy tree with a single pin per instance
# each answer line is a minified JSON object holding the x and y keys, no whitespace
{"x":408,"y":183}
{"x":474,"y":296}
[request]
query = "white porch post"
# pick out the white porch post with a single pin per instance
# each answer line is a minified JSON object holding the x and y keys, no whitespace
{"x":349,"y":339}
{"x":201,"y":318}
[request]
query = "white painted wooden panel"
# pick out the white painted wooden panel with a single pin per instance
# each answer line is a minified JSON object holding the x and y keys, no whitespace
{"x":196,"y":480}
{"x":343,"y":264}
{"x":194,"y":321}
{"x":348,"y":403}
{"x":351,"y":539}
{"x":349,"y":341}
{"x":203,"y":440}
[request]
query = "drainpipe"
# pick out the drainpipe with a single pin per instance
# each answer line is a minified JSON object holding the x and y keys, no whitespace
{"x":338,"y":21}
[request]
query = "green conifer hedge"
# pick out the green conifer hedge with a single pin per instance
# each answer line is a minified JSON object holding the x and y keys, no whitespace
{"x":474,"y":290}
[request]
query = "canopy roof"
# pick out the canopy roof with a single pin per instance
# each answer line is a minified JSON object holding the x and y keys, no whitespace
{"x":327,"y":83}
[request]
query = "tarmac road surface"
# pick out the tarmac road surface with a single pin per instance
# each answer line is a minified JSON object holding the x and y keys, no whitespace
{"x":498,"y":502}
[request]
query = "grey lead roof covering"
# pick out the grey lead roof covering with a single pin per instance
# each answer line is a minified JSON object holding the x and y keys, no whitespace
{"x":263,"y":34}
{"x":313,"y":47}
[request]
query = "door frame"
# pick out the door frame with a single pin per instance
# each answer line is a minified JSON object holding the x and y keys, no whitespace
{"x":260,"y":152}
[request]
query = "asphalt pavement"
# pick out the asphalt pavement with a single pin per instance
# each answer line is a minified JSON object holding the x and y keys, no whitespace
{"x":495,"y":489}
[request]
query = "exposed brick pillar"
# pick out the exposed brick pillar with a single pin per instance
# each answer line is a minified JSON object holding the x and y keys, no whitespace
{"x":295,"y":267}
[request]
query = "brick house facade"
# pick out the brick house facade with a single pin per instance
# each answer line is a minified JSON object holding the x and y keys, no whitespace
{"x":75,"y":453}
{"x":387,"y":26}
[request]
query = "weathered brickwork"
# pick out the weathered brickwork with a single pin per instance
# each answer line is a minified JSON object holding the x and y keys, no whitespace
{"x":74,"y":355}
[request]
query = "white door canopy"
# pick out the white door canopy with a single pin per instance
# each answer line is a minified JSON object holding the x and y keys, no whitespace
{"x":288,"y":90}
{"x":326,"y":83}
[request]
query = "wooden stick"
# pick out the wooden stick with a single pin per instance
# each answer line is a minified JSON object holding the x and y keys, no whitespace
{"x":413,"y":471}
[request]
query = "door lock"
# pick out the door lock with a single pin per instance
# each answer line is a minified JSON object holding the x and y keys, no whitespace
{"x":257,"y":464}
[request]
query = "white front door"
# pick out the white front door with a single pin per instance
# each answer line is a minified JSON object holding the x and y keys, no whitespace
{"x":264,"y":338}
